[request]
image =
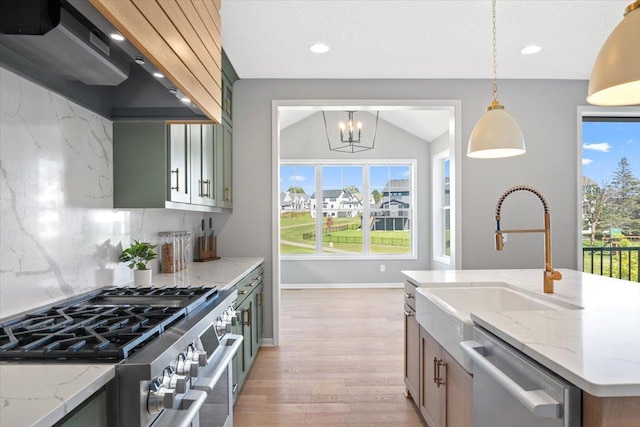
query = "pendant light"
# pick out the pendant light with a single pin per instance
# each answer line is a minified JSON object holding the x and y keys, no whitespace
{"x":615,"y":78}
{"x":496,"y":134}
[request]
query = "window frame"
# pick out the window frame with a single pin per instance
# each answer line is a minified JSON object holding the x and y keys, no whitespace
{"x":366,"y":209}
{"x":438,"y":228}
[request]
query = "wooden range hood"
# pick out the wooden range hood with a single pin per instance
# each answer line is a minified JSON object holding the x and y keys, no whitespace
{"x":181,"y":38}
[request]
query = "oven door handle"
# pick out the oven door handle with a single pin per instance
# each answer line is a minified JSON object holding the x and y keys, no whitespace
{"x":190,"y":403}
{"x":210,"y":374}
{"x":536,"y":401}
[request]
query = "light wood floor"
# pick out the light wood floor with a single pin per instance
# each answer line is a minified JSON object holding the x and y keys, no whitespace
{"x":340,"y":363}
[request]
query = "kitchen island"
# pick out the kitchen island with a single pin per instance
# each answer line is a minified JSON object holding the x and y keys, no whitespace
{"x":596,"y":348}
{"x":41,"y":394}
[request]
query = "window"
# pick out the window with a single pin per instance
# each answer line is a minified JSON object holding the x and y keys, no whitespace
{"x":610,"y":187}
{"x":442,"y":207}
{"x":362,"y":209}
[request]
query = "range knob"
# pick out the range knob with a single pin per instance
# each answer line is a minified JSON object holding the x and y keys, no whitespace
{"x":196,"y":355}
{"x":186,"y":367}
{"x":172,"y":380}
{"x":231,"y":315}
{"x":222,"y":326}
{"x":159,"y":397}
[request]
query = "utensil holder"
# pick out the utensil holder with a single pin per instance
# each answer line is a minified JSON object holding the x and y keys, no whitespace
{"x":207,"y":248}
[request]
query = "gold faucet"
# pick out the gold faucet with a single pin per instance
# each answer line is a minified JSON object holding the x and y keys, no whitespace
{"x":549,"y":274}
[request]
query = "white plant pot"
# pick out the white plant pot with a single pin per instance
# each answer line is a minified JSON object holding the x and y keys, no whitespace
{"x":142,"y":277}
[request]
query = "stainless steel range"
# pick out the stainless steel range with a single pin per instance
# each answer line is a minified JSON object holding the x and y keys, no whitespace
{"x":171,"y":346}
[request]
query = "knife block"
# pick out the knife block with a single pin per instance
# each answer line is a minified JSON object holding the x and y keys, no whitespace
{"x":206,"y":248}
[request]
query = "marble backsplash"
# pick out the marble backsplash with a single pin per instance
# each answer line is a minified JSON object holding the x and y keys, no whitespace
{"x":60,"y":235}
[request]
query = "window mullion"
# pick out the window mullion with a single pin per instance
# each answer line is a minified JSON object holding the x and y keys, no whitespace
{"x":366,"y":209}
{"x":319,"y":200}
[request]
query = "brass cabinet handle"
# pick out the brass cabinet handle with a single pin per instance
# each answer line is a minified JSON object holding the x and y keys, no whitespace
{"x":242,"y":292}
{"x":409,"y":296}
{"x":408,"y":313}
{"x":227,"y":194}
{"x":208,"y":182}
{"x":251,"y":284}
{"x":177,"y":172}
{"x":440,"y":381}
{"x":227,"y":106}
{"x":261,"y":302}
{"x":248,"y":322}
{"x":435,"y":373}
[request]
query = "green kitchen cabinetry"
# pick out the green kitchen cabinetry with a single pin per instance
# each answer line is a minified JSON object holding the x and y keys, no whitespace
{"x":249,"y":324}
{"x":224,"y":138}
{"x":159,"y":165}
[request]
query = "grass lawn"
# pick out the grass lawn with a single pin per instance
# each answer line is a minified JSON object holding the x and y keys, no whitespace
{"x":289,"y":249}
{"x":294,"y":224}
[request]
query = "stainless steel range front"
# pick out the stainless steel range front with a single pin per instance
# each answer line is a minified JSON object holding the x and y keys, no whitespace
{"x":171,"y":346}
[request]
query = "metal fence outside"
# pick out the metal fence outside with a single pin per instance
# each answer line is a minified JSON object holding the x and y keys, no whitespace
{"x":619,"y":262}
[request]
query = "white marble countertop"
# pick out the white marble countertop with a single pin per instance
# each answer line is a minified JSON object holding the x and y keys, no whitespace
{"x":223,"y":273}
{"x":42,"y":394}
{"x":597,"y":348}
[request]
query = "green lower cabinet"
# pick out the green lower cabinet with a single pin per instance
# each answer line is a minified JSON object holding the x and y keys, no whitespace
{"x":249,"y":324}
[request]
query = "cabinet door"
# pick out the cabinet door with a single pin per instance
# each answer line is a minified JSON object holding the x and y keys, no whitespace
{"x":179,"y":165}
{"x":227,"y":99}
{"x":256,"y":333}
{"x":432,"y":396}
{"x":459,"y":394}
{"x":224,"y":161}
{"x":194,"y":133}
{"x":411,"y":353}
{"x":247,"y":308}
{"x":201,"y":141}
{"x":259,"y":315}
{"x":208,"y":165}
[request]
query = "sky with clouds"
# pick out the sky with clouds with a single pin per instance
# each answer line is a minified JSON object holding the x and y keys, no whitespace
{"x":604,"y":144}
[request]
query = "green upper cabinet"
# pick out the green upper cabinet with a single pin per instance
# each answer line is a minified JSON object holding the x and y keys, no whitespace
{"x":202,"y":163}
{"x":224,"y":139}
{"x":176,"y":166}
{"x":229,"y":77}
{"x":157,"y":165}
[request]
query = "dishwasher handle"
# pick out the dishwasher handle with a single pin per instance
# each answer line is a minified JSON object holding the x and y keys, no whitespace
{"x":536,"y":401}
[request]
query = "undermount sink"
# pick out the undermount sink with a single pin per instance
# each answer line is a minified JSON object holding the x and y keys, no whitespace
{"x":445,"y":312}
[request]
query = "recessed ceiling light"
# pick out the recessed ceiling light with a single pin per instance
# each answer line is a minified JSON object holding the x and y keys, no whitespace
{"x":173,"y":90}
{"x":140,"y":60}
{"x":158,"y":75}
{"x":116,"y":36}
{"x":319,"y":48}
{"x":531,"y":49}
{"x":185,"y":100}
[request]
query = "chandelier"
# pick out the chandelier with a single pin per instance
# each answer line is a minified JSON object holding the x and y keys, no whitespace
{"x":351,"y":139}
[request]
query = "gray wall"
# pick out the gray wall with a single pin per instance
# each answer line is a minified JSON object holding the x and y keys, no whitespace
{"x":307,"y":140}
{"x":545,"y":110}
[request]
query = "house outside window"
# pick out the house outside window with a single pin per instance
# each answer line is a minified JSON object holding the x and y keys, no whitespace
{"x":364,"y":209}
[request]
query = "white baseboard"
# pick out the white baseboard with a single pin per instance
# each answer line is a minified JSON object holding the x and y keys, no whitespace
{"x":267,"y":342}
{"x":340,"y":285}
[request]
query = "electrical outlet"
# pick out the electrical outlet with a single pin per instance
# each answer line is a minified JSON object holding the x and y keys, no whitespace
{"x":382,"y":268}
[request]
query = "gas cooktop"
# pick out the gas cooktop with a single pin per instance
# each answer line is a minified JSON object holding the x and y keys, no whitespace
{"x":105,"y":325}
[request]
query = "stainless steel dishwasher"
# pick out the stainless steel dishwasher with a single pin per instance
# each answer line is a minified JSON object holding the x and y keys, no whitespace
{"x":510,"y":389}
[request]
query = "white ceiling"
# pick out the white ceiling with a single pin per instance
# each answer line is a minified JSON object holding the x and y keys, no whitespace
{"x":415,"y":38}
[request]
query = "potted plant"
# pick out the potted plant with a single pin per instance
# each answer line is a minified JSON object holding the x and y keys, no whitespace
{"x":138,"y":255}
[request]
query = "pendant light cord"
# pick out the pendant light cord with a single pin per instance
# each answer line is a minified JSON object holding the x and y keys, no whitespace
{"x":495,"y":59}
